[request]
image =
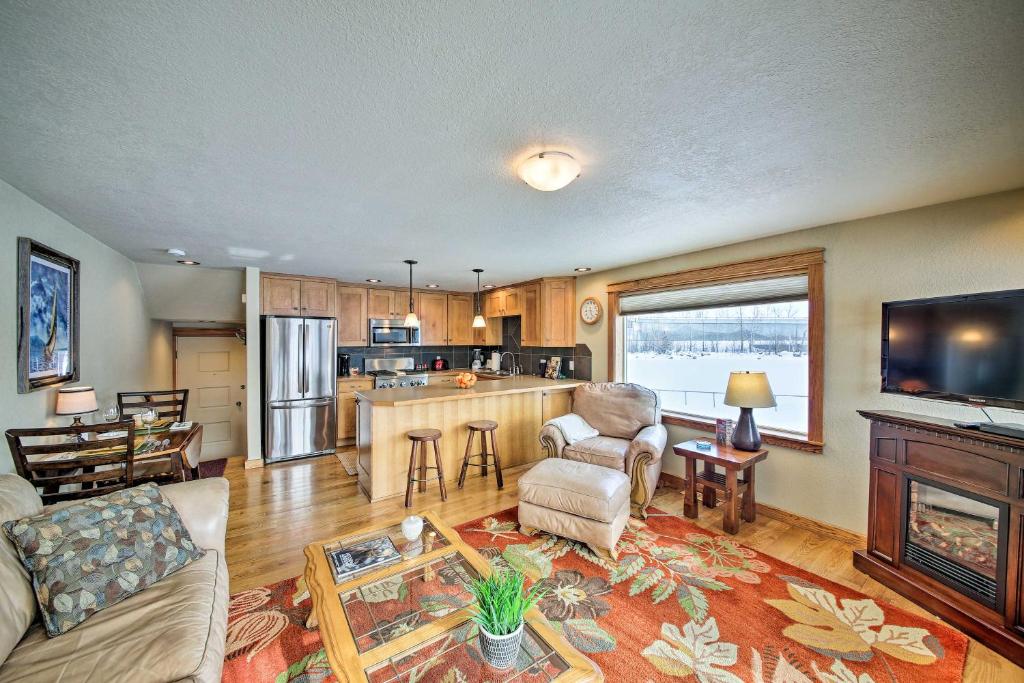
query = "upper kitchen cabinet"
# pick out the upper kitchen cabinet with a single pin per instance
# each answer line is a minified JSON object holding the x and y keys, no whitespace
{"x":296,"y":295}
{"x":558,"y":311}
{"x":381,"y":303}
{"x":502,"y":303}
{"x":531,"y":325}
{"x":460,"y":319}
{"x":280,"y":295}
{"x":432,"y":310}
{"x":352,"y":318}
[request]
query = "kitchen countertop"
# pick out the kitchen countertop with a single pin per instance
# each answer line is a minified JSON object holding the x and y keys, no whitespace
{"x":489,"y":387}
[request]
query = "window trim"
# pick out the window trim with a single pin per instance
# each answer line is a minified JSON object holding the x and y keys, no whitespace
{"x":809,"y":262}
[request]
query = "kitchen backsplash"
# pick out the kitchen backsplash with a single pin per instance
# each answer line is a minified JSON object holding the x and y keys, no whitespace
{"x":462,"y":356}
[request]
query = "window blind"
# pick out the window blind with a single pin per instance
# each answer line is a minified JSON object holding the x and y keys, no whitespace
{"x":765,"y":291}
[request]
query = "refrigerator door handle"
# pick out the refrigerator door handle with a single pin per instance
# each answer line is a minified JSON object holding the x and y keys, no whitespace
{"x":305,"y":358}
{"x":295,"y":405}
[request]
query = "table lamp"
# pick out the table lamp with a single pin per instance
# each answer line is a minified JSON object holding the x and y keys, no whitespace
{"x":76,"y":401}
{"x":746,"y":391}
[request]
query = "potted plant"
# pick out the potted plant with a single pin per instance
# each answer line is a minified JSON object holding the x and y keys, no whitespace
{"x":501,"y":602}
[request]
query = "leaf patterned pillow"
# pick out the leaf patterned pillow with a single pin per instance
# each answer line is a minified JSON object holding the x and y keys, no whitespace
{"x":94,"y":554}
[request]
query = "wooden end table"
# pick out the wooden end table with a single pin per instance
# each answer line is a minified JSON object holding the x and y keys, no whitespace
{"x":734,"y":461}
{"x":396,"y":623}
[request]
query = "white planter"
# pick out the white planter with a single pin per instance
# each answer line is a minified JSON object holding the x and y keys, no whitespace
{"x":501,"y":651}
{"x":412,"y":527}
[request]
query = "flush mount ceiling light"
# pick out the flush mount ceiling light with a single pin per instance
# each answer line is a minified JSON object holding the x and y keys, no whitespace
{"x":372,"y":280}
{"x":410,"y":319}
{"x":488,"y":286}
{"x":478,"y":319}
{"x":549,"y":171}
{"x":189,"y":262}
{"x":584,"y":269}
{"x":433,"y":286}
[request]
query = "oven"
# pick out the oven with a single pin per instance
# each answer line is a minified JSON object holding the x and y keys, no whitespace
{"x":384,"y":332}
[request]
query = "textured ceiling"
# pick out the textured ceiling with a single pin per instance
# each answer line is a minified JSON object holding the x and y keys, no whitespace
{"x":338,"y":138}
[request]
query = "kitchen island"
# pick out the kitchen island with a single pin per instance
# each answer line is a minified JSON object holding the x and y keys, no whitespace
{"x":520,"y":405}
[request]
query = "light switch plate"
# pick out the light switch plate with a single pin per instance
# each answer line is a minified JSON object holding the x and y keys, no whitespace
{"x":572,"y":365}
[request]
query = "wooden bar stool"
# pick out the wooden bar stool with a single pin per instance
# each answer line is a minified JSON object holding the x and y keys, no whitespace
{"x":420,"y":437}
{"x":483,"y":427}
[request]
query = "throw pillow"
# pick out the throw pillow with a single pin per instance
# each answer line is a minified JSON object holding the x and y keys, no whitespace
{"x":90,"y":555}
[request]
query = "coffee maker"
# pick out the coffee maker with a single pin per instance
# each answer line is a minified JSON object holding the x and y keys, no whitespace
{"x":344,"y":364}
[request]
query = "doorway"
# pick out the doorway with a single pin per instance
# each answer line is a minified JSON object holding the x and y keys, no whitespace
{"x":212,"y":367}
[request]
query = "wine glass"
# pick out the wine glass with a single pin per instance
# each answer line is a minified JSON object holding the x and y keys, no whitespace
{"x":148,"y":417}
{"x":111,"y":413}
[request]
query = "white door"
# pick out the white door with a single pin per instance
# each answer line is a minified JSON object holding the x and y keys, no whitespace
{"x":213,"y":371}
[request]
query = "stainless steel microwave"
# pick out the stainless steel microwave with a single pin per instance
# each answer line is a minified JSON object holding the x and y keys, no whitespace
{"x":385,"y":332}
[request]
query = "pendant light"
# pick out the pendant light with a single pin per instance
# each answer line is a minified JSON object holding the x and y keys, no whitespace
{"x":410,"y":319}
{"x":478,"y":319}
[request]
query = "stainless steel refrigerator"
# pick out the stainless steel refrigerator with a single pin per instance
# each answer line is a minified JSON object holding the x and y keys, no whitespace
{"x":299,"y":386}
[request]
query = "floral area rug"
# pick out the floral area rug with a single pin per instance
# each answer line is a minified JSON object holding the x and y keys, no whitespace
{"x":679,"y":604}
{"x":682,"y":603}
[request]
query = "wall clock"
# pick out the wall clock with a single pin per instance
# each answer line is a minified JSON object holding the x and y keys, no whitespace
{"x":590,"y":310}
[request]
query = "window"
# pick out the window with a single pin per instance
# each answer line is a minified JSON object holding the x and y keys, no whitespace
{"x":682,"y":334}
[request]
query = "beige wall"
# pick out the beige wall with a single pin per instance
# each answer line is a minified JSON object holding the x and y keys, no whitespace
{"x":974,"y":245}
{"x":116,"y":335}
{"x":189,"y":294}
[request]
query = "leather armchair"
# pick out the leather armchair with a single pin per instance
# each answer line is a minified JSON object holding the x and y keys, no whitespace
{"x":631,"y":437}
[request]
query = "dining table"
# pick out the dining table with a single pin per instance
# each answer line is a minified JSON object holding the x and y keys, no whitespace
{"x":182,"y":446}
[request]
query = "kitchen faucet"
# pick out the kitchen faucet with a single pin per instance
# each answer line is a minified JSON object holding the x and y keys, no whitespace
{"x":512,"y":365}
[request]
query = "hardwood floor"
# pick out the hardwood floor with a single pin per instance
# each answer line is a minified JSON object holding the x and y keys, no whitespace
{"x":276,"y":511}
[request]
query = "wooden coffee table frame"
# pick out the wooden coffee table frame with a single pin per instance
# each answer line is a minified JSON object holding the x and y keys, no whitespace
{"x":349,"y":664}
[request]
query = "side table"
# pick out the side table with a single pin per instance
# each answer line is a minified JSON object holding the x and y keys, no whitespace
{"x":734,"y":461}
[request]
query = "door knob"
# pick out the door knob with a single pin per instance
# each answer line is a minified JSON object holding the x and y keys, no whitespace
{"x":238,"y":403}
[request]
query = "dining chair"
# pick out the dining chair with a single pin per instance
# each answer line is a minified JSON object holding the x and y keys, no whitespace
{"x":170,"y":403}
{"x":72,"y":469}
{"x":170,"y":468}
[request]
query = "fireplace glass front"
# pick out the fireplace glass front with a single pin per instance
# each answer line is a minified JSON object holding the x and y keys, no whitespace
{"x":957,"y":539}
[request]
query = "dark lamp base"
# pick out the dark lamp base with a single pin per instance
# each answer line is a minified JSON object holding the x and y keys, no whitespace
{"x":744,"y":434}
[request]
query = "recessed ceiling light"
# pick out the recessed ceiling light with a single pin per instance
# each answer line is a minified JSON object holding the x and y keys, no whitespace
{"x":488,"y":287}
{"x":189,"y":262}
{"x":549,"y":171}
{"x":433,"y":286}
{"x":583,"y":269}
{"x":176,"y":252}
{"x":372,"y":280}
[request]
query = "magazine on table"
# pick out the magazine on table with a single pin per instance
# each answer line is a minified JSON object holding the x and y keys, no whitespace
{"x":349,"y":560}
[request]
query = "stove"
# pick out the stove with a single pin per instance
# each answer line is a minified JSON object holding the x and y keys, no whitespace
{"x":394,"y":373}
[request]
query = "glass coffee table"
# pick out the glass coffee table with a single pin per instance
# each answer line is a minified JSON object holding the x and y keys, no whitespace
{"x":409,"y":620}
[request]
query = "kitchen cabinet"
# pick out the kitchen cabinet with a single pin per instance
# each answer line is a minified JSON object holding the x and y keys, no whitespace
{"x":350,"y":307}
{"x":316,"y":298}
{"x":295,"y":295}
{"x":558,"y":311}
{"x":381,"y":303}
{"x":280,"y":295}
{"x":432,"y":310}
{"x":460,"y":319}
{"x":502,"y":303}
{"x":347,"y":386}
{"x":530,"y":324}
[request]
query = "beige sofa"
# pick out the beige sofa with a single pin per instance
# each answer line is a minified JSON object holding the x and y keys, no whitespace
{"x":631,"y":439}
{"x":172,"y":631}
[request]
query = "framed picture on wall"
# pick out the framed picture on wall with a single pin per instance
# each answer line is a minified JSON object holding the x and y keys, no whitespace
{"x":47,"y":316}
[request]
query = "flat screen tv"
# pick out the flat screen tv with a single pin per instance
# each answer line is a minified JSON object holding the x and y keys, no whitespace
{"x":968,"y":349}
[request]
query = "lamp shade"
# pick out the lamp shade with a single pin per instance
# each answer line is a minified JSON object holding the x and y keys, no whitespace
{"x":749,"y":390}
{"x":411,"y":320}
{"x":478,"y":321}
{"x":76,"y":401}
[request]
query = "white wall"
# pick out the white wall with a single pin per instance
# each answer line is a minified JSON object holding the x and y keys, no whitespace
{"x":975,"y":245}
{"x":253,"y":396}
{"x":116,"y":334}
{"x":189,"y":293}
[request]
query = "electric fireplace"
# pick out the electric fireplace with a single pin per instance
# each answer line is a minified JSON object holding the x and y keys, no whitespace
{"x":957,"y":538}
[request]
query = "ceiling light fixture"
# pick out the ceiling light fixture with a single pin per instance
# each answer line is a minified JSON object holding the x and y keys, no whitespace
{"x":549,"y":171}
{"x":189,"y":262}
{"x":410,"y":319}
{"x":433,"y":286}
{"x":372,"y":280}
{"x":478,"y":319}
{"x":584,"y":269}
{"x":488,"y":286}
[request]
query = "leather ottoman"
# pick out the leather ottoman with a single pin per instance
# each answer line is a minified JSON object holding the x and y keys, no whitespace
{"x":577,"y":500}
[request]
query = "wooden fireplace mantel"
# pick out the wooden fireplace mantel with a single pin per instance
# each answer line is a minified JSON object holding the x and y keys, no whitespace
{"x":986,"y":467}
